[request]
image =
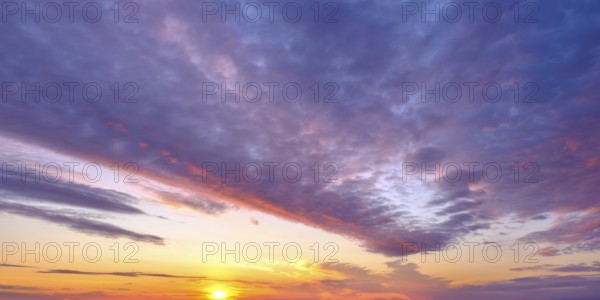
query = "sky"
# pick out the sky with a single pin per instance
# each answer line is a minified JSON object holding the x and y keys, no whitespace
{"x":300,"y":150}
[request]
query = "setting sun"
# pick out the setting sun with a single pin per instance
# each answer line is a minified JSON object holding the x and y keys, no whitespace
{"x":219,"y":295}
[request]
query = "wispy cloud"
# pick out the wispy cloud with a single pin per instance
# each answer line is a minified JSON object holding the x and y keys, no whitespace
{"x":78,"y":223}
{"x":122,"y":274}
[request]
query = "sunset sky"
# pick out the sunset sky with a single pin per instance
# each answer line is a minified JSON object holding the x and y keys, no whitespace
{"x":300,"y":150}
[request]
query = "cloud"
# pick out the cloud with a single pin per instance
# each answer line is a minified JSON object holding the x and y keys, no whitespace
{"x":122,"y":274}
{"x":67,"y":193}
{"x":17,"y":287}
{"x":345,"y":280}
{"x":55,"y":296}
{"x":78,"y":223}
{"x":570,"y":234}
{"x":170,"y":133}
{"x":404,"y":281}
{"x":572,"y":268}
{"x":202,"y":205}
{"x":14,"y":266}
{"x":548,"y":287}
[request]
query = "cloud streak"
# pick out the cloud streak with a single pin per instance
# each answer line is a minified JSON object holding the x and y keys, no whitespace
{"x":78,"y":223}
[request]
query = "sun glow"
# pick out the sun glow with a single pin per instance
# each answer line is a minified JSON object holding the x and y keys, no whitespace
{"x":219,"y":295}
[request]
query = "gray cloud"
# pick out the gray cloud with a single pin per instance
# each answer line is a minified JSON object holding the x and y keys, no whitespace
{"x":78,"y":223}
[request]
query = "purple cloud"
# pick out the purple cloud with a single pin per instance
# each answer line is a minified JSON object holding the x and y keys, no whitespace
{"x":170,"y":133}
